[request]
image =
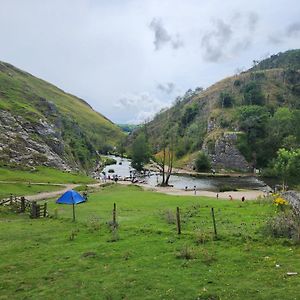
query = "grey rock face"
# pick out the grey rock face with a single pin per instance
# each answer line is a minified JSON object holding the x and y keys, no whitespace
{"x":225,"y":154}
{"x":30,"y":143}
{"x":293,"y":198}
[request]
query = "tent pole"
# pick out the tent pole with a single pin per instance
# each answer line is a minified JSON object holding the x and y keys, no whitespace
{"x":73,"y":212}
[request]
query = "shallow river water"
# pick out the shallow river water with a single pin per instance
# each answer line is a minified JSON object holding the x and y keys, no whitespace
{"x":123,"y":168}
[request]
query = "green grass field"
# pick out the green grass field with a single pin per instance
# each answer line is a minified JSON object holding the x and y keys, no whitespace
{"x":21,"y":189}
{"x":42,"y":174}
{"x":54,"y":258}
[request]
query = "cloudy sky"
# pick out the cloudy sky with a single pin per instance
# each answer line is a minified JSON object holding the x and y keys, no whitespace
{"x":131,"y":58}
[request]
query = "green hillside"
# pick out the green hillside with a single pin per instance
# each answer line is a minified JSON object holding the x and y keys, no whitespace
{"x":240,"y":122}
{"x":73,"y":130}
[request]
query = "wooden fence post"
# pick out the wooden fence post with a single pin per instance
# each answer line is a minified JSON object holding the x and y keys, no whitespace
{"x":45,"y":209}
{"x":33,"y":210}
{"x":22,"y":205}
{"x":178,"y":221}
{"x":114,"y":215}
{"x":214,"y":221}
{"x":38,"y":210}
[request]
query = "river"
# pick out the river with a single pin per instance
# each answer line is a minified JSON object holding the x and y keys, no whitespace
{"x":210,"y":183}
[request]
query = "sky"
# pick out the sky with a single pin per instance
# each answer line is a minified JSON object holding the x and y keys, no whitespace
{"x":129,"y":59}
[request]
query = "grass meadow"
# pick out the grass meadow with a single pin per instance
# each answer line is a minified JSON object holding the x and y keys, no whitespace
{"x":144,"y":257}
{"x":42,"y":174}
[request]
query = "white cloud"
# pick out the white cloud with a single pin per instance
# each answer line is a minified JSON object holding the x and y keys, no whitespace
{"x":143,"y":106}
{"x":99,"y":50}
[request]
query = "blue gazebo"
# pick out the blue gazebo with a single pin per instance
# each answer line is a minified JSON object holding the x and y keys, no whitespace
{"x":71,"y":197}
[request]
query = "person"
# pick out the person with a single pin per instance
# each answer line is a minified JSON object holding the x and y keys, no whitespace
{"x":230,"y":197}
{"x":85,"y":195}
{"x":243,"y":199}
{"x":195,"y":190}
{"x":217,"y":196}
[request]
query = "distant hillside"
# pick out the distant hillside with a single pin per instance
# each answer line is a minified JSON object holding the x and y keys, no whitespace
{"x":41,"y":124}
{"x":128,"y":128}
{"x":240,"y":122}
{"x":288,"y":59}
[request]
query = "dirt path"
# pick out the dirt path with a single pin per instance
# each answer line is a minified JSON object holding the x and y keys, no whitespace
{"x":47,"y":195}
{"x":236,"y":195}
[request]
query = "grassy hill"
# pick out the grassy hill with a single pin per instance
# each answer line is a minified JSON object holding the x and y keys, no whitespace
{"x":249,"y":115}
{"x":66,"y":124}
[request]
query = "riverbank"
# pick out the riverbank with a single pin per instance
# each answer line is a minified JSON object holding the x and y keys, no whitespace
{"x":235,"y":195}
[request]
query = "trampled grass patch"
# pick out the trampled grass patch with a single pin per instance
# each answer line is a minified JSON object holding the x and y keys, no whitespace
{"x":55,"y":258}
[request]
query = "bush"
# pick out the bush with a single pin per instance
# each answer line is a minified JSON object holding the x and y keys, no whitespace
{"x":202,"y":162}
{"x":226,"y":100}
{"x":186,"y":253}
{"x":285,"y":224}
{"x":237,"y":83}
{"x":201,"y":237}
{"x":253,"y":94}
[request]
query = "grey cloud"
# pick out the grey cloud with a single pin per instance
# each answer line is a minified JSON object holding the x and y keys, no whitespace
{"x":275,"y":39}
{"x":167,"y":88}
{"x":293,"y":29}
{"x":252,"y":21}
{"x":162,"y":37}
{"x":214,"y":41}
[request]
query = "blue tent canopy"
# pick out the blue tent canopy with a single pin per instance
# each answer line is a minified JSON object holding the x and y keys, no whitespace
{"x":70,"y":197}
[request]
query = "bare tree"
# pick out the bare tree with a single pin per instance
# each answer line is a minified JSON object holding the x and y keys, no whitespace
{"x":165,"y":156}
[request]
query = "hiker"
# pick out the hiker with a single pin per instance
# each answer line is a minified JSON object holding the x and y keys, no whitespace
{"x":217,"y":196}
{"x":230,"y":197}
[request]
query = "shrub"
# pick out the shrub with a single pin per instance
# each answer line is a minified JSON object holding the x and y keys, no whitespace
{"x":93,"y":223}
{"x":202,"y":162}
{"x":186,"y":253}
{"x":201,"y":237}
{"x":208,"y":257}
{"x":226,"y":100}
{"x":237,"y":82}
{"x":253,"y":94}
{"x":285,"y":224}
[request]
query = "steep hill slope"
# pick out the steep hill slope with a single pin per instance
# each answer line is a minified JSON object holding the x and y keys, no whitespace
{"x":41,"y":124}
{"x":241,"y":121}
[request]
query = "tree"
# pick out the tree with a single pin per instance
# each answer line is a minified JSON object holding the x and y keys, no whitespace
{"x":164,"y":158}
{"x":140,"y":152}
{"x":253,"y":121}
{"x":287,"y":165}
{"x":253,"y":94}
{"x":202,"y":163}
{"x":121,"y":147}
{"x":226,"y":100}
